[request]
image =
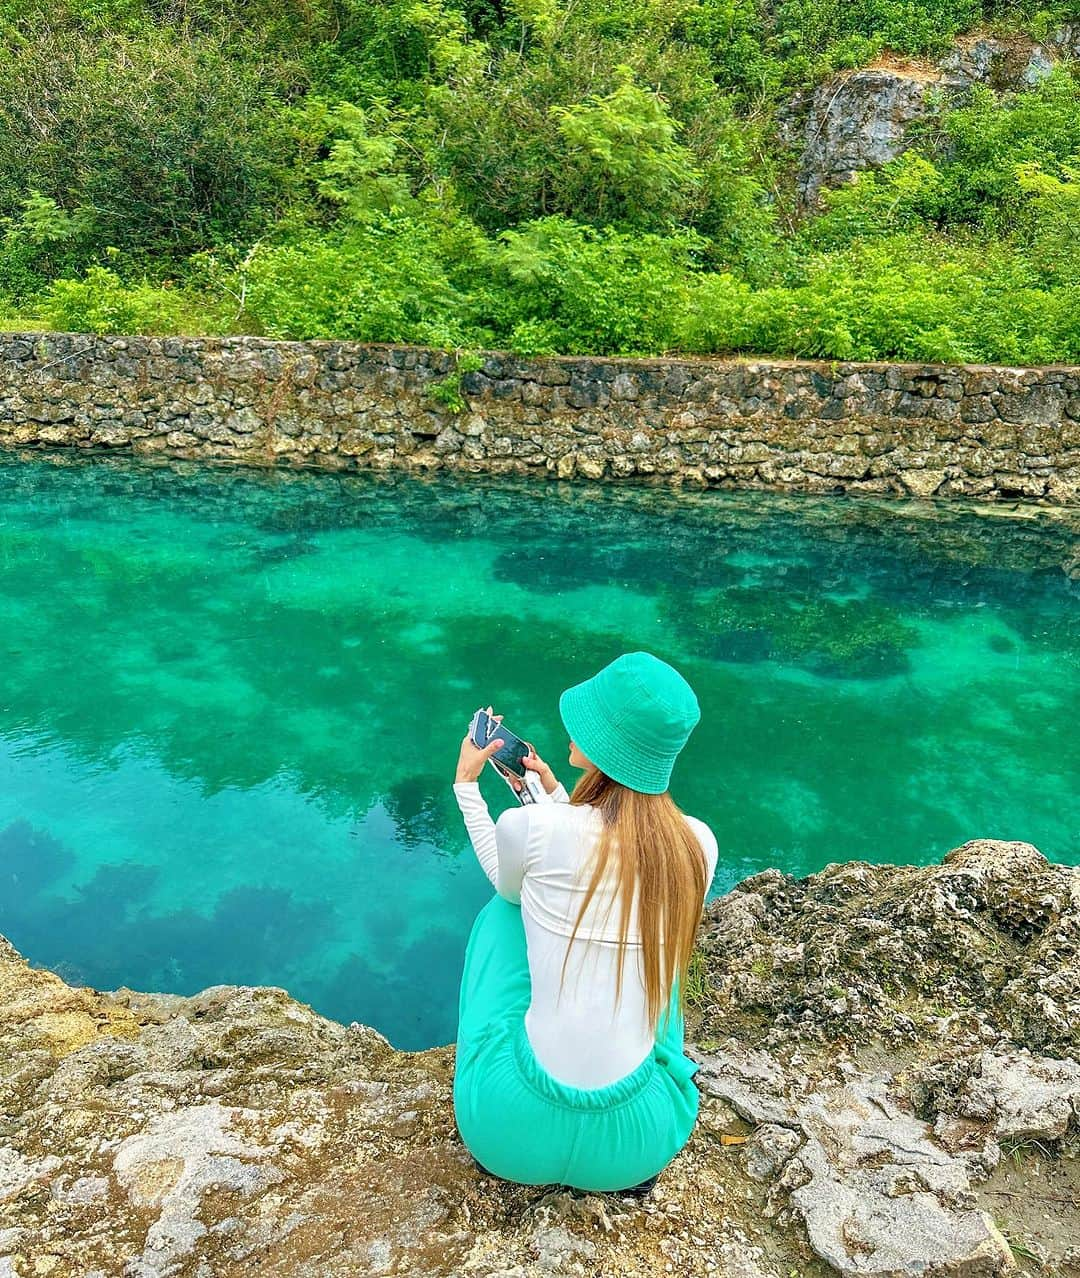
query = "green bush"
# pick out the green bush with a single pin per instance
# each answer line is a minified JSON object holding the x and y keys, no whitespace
{"x":589,"y":290}
{"x":156,"y":145}
{"x":41,"y":242}
{"x":392,"y":279}
{"x":986,"y":141}
{"x":597,"y":177}
{"x":915,"y":297}
{"x":101,"y":302}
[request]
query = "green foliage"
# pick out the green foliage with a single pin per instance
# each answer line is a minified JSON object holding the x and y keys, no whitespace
{"x":102,"y":303}
{"x":896,"y":198}
{"x":697,"y":981}
{"x":568,"y":287}
{"x":390,"y":278}
{"x":623,"y":147}
{"x":975,"y":179}
{"x":986,"y":141}
{"x":448,"y":392}
{"x":600,"y":176}
{"x":395,"y":49}
{"x":358,"y":174}
{"x":1053,"y":221}
{"x":908,"y":297}
{"x":157,"y":145}
{"x":40,"y":242}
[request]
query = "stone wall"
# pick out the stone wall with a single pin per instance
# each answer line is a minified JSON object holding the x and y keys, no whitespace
{"x":794,"y":425}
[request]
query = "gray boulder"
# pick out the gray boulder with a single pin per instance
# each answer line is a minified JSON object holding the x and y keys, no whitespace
{"x":862,"y":119}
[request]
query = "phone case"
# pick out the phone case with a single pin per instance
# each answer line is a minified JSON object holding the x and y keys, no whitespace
{"x":533,"y":790}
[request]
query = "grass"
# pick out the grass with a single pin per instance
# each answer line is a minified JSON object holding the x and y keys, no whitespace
{"x":696,"y":980}
{"x":1019,"y":1247}
{"x":19,"y":324}
{"x":1016,"y":1150}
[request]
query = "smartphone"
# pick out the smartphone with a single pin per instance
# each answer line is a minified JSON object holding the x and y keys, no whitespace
{"x":510,"y":754}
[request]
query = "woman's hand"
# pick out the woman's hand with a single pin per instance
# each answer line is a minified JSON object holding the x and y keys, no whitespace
{"x":547,"y":777}
{"x":471,"y":760}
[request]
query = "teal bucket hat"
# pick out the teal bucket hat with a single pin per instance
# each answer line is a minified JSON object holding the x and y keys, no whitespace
{"x":632,"y":719}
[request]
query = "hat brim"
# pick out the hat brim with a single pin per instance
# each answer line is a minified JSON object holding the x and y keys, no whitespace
{"x":583,"y":718}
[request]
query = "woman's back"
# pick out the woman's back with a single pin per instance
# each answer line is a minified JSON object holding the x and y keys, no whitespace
{"x":560,"y":1081}
{"x":579,"y":1034}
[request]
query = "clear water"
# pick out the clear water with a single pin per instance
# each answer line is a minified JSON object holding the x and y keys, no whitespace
{"x":231,"y":701}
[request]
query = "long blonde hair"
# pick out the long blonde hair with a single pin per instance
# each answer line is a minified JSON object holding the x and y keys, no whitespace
{"x":656,"y":853}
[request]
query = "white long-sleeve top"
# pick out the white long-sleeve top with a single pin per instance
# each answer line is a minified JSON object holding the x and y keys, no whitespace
{"x":536,"y":855}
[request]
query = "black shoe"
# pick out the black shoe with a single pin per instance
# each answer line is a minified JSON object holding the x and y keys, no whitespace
{"x":645,"y":1187}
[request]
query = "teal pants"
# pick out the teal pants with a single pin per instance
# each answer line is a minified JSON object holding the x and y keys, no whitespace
{"x":522,"y":1124}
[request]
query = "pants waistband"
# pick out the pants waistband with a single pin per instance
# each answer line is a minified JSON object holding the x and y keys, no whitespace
{"x":577,"y":1098}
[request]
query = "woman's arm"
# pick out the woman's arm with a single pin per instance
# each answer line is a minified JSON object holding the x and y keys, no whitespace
{"x":499,"y":846}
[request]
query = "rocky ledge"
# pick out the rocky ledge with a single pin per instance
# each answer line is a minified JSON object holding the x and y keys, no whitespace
{"x":890,"y":1086}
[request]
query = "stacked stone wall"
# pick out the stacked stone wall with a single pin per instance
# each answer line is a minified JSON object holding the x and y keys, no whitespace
{"x":947,"y":431}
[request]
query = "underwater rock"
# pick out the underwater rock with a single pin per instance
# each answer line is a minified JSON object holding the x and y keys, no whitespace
{"x":237,"y":1132}
{"x":851,"y":639}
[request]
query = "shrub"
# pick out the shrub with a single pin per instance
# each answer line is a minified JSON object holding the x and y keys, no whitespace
{"x":390,"y":279}
{"x":914,"y":297}
{"x":101,"y":302}
{"x":585,"y":289}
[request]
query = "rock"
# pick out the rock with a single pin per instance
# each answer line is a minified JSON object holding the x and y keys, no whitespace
{"x":1039,"y":66}
{"x":17,"y":1172}
{"x":878,"y":1196}
{"x":751,"y":1082}
{"x":858,"y":121}
{"x":862,"y":119}
{"x":1066,"y":40}
{"x":875,"y":1191}
{"x":238,"y":1132}
{"x":1019,"y":1095}
{"x":768,"y":1149}
{"x":864,"y":949}
{"x":809,"y":426}
{"x":170,"y":1167}
{"x":923,"y":483}
{"x":557,"y":1249}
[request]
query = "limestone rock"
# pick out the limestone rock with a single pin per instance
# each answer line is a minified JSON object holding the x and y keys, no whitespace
{"x":896,"y":950}
{"x":862,"y":119}
{"x":237,"y":1132}
{"x":923,"y":483}
{"x":769,"y":1149}
{"x":1018,"y":1095}
{"x":809,"y":426}
{"x":878,"y":1196}
{"x":875,"y":1191}
{"x":858,"y":121}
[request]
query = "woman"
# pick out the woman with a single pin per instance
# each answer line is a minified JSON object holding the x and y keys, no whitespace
{"x":570,"y":1067}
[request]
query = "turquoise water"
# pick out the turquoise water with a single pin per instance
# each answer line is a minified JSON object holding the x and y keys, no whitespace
{"x":232,"y":701}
